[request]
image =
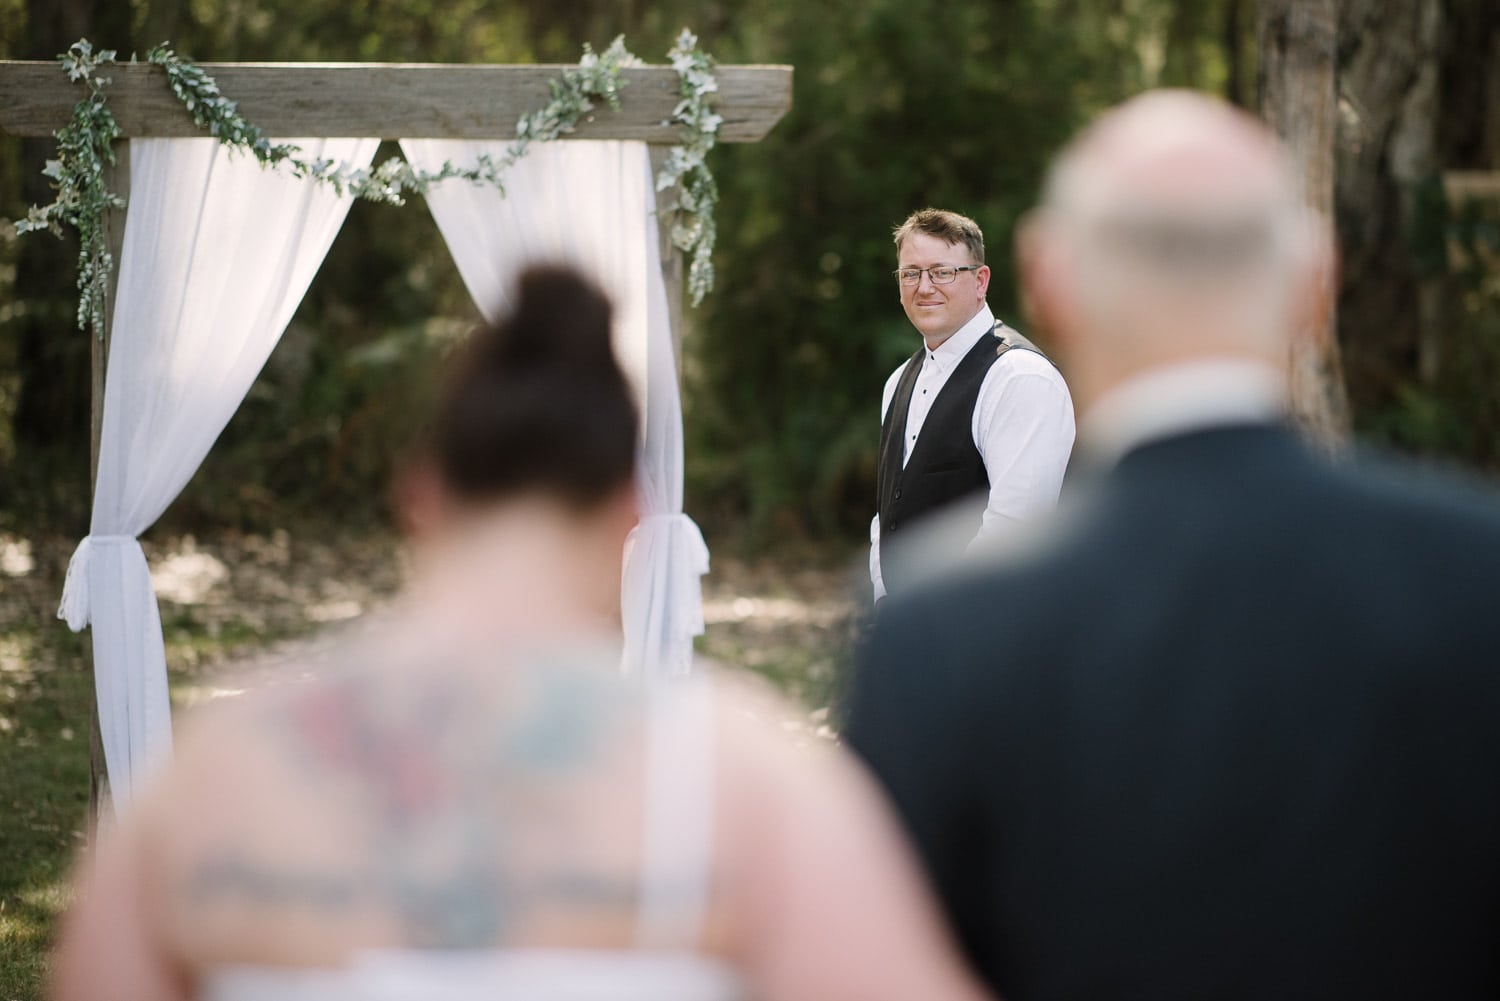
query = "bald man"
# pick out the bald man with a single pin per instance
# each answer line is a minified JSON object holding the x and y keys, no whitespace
{"x":1230,"y":727}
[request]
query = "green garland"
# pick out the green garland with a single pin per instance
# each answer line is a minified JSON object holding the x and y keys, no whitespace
{"x":693,"y":229}
{"x":84,"y":147}
{"x":83,"y":150}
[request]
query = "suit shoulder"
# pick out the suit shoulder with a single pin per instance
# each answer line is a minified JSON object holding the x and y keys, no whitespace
{"x":1427,"y":493}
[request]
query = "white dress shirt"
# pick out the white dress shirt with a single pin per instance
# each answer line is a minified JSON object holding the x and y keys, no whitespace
{"x":1022,"y":426}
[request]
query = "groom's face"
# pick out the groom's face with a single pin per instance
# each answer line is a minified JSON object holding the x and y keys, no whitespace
{"x":937,"y":311}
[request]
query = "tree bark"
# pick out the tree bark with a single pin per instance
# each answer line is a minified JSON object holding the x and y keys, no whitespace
{"x":1298,"y":47}
{"x":1394,"y":290}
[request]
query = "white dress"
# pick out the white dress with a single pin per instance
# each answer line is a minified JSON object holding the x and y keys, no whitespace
{"x":664,"y":965}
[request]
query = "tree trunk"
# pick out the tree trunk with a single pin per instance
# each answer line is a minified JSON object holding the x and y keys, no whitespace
{"x":1298,"y":97}
{"x":1394,"y":289}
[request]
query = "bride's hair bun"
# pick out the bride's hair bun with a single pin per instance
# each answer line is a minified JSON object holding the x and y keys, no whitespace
{"x":537,"y":403}
{"x":559,"y":319}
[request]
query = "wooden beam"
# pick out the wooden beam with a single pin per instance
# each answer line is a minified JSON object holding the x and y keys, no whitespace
{"x":388,"y":100}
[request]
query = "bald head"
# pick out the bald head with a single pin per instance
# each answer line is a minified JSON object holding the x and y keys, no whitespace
{"x":1171,"y":230}
{"x":1176,"y":151}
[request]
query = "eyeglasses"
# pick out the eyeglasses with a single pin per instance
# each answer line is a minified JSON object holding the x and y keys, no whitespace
{"x":943,"y":274}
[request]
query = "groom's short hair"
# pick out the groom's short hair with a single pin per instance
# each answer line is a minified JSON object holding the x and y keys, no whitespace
{"x":950,"y":227}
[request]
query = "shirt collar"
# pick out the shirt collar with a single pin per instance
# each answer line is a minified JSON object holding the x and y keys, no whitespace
{"x":953,"y":350}
{"x":1177,"y":399}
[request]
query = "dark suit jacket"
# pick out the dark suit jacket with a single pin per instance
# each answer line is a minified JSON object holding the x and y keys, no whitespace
{"x":1234,"y":733}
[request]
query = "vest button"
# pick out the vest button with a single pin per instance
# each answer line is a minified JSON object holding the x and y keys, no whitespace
{"x":893,"y":527}
{"x":898,"y":493}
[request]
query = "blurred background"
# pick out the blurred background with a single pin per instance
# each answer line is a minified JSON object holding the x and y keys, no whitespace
{"x":898,"y":104}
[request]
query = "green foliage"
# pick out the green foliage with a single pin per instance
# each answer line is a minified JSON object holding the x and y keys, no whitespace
{"x":898,"y":105}
{"x":596,"y":77}
{"x":44,"y":787}
{"x":84,"y":150}
{"x":1456,"y":412}
{"x":325,"y":426}
{"x":693,"y":228}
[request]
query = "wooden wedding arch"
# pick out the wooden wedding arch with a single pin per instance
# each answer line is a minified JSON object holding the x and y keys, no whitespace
{"x":378,"y":101}
{"x":387,"y":101}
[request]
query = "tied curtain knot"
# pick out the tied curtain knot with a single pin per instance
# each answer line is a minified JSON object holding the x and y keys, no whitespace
{"x":681,"y":553}
{"x":664,"y":556}
{"x":74,"y":609}
{"x":682,"y":534}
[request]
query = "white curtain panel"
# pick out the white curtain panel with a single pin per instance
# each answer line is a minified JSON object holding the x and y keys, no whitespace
{"x":217,"y":254}
{"x":592,"y":204}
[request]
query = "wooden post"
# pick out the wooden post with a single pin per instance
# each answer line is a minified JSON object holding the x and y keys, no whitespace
{"x":671,"y":257}
{"x":117,"y":178}
{"x":1298,"y":43}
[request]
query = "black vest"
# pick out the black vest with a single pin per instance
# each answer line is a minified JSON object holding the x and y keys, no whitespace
{"x":945,"y":464}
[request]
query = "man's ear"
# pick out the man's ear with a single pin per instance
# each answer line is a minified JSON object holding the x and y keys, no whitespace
{"x":1038,"y":280}
{"x":982,"y":281}
{"x":1316,"y":281}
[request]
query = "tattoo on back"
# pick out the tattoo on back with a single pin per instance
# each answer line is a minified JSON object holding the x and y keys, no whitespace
{"x":442,"y":787}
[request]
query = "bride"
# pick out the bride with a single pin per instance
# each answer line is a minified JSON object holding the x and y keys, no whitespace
{"x":471,"y":802}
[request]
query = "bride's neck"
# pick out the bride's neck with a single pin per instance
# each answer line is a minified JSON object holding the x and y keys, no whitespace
{"x":528,"y":566}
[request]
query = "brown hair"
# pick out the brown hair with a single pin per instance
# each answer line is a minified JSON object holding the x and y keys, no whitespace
{"x":950,"y":227}
{"x":537,"y":402}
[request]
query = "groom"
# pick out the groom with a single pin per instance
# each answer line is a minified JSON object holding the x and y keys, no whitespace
{"x":976,"y":415}
{"x":1229,"y":727}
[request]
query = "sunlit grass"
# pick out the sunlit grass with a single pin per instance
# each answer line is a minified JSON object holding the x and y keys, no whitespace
{"x":45,"y":702}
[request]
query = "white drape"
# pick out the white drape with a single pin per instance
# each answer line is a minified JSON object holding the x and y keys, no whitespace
{"x":592,"y":204}
{"x":217,"y":254}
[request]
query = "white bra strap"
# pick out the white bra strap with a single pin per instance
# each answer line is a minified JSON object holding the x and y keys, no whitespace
{"x":678,"y":808}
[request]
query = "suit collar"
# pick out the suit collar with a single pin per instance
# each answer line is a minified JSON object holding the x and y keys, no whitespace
{"x":1178,"y":400}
